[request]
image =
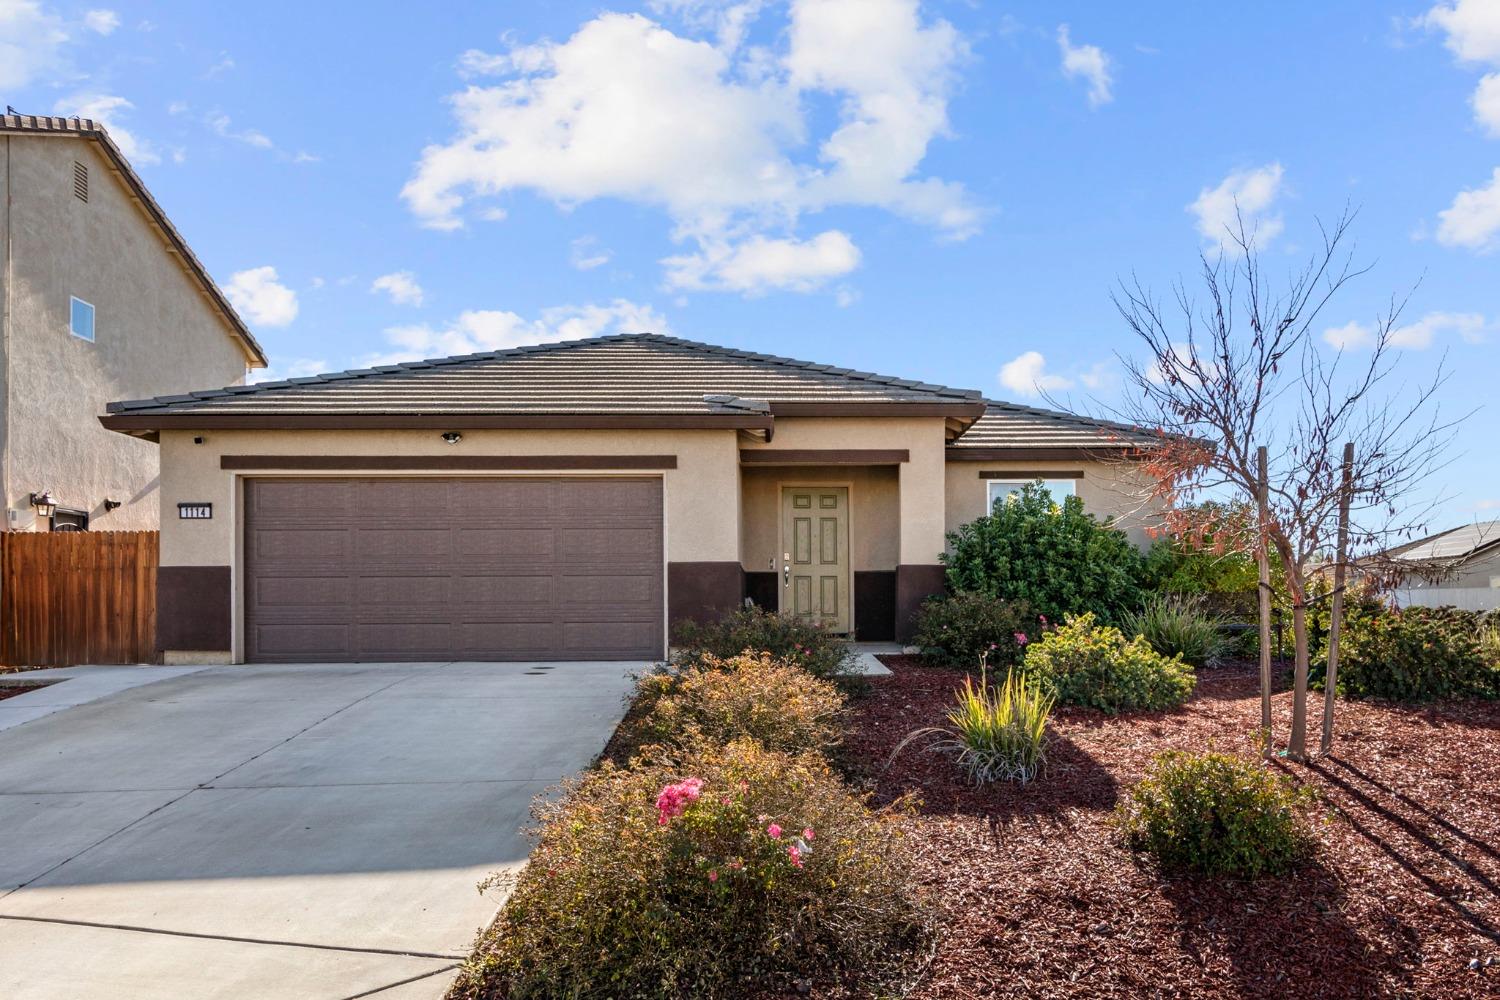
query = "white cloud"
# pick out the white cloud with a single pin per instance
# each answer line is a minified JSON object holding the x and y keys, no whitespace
{"x":1417,"y":336}
{"x":1473,"y":220}
{"x":714,"y":133}
{"x":296,"y":368}
{"x":263,"y":299}
{"x":101,"y":22}
{"x":1472,"y":27}
{"x":109,"y":110}
{"x":1249,"y":192}
{"x":761,"y":264}
{"x":1349,"y":336}
{"x":585,"y":254}
{"x":478,"y":330}
{"x":401,"y":286}
{"x":31,"y":41}
{"x":220,"y":123}
{"x":1027,"y":375}
{"x":1088,"y":62}
{"x":1486,"y":102}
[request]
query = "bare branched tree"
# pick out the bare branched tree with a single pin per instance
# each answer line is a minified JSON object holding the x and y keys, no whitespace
{"x":1243,"y":369}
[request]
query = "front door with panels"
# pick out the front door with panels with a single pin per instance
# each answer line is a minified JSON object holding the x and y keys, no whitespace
{"x":815,"y":554}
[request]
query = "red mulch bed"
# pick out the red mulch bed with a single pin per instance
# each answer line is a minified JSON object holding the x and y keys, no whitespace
{"x":1040,"y":900}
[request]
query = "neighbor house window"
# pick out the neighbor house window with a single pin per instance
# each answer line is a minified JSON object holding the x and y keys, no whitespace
{"x":81,"y":319}
{"x":1002,"y":489}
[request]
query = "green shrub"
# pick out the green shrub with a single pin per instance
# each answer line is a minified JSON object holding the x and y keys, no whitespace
{"x":1176,"y":625}
{"x":1489,"y":640}
{"x":1217,"y":814}
{"x":1414,"y":655}
{"x":1054,"y":557}
{"x":786,"y":637}
{"x":1001,"y":733}
{"x":958,"y":630}
{"x":731,"y":870}
{"x":744,"y":697}
{"x":1085,"y":663}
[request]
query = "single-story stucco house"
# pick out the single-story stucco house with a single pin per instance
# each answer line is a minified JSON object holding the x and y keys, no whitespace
{"x":572,"y":500}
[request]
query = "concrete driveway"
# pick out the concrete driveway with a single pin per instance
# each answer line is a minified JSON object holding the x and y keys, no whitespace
{"x":290,"y":831}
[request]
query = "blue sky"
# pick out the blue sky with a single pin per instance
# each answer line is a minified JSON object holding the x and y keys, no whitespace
{"x":943,"y":190}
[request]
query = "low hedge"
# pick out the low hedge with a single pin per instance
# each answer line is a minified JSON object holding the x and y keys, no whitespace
{"x":785,"y":637}
{"x":1415,"y":655}
{"x":1217,"y":814}
{"x":958,"y":630}
{"x":748,"y":696}
{"x":730,"y":870}
{"x":1085,"y":663}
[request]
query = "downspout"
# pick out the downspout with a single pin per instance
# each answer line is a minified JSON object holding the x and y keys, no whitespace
{"x":7,"y":291}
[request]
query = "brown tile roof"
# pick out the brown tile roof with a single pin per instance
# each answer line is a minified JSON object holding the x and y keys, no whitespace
{"x":1009,"y":430}
{"x":87,"y":128}
{"x":641,"y":373}
{"x":616,"y":380}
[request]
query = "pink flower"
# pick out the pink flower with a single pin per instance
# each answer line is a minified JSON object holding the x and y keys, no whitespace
{"x":713,"y":876}
{"x":795,"y":855}
{"x":1042,"y":619}
{"x":673,"y":800}
{"x":774,"y":831}
{"x":807,"y":833}
{"x":1021,"y":639}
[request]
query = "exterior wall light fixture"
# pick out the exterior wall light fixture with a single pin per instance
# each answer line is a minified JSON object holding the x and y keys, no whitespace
{"x":452,"y":437}
{"x":43,"y":503}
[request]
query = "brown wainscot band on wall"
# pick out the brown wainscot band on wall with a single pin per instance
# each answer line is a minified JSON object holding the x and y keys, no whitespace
{"x":702,"y":591}
{"x":764,"y":589}
{"x":448,"y":463}
{"x":824,"y":456}
{"x":193,"y":608}
{"x":874,"y":605}
{"x":914,"y":584}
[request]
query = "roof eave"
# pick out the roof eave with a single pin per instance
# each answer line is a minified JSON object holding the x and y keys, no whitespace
{"x":137,"y":423}
{"x":1114,"y":451}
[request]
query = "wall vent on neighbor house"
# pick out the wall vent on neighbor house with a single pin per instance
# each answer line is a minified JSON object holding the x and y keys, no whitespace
{"x":81,"y":181}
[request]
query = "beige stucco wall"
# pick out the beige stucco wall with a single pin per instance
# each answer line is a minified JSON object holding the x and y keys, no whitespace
{"x":702,"y":493}
{"x":1107,"y":490}
{"x":920,"y":481}
{"x":874,"y":512}
{"x":155,"y":333}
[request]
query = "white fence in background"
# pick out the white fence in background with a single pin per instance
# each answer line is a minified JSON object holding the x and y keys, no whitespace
{"x":1468,"y":598}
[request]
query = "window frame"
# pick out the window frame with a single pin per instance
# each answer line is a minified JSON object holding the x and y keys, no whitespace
{"x":1016,"y":484}
{"x":73,"y":303}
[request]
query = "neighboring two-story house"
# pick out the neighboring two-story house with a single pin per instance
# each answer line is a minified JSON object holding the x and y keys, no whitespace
{"x":100,"y":299}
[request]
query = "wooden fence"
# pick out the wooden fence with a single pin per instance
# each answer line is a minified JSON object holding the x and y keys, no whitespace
{"x":70,"y":597}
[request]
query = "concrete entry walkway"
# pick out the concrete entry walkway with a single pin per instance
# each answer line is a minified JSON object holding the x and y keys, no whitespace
{"x":290,"y":831}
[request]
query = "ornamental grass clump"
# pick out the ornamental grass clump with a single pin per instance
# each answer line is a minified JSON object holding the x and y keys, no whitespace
{"x":720,"y":873}
{"x":1177,"y":625}
{"x":1000,"y":733}
{"x":1217,"y":814}
{"x":788,"y":638}
{"x":749,"y":696}
{"x":1095,"y":666}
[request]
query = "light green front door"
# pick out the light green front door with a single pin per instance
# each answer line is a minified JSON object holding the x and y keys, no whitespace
{"x":815,"y":554}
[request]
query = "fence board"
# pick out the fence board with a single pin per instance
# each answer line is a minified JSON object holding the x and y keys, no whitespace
{"x":74,"y":597}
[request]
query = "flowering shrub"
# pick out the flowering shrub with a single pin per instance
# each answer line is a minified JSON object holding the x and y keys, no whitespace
{"x":786,"y":637}
{"x":1218,"y":814}
{"x":959,"y":629}
{"x":1415,"y":654}
{"x":778,"y":705}
{"x":727,"y":869}
{"x":1084,"y":663}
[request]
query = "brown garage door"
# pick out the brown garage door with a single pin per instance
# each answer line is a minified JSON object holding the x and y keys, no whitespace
{"x":453,"y":569}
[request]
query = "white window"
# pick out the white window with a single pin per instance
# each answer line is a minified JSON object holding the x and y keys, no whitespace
{"x":1001,"y":489}
{"x":81,"y":319}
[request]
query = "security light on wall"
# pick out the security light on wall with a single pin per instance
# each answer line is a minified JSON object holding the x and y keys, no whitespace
{"x":43,"y":503}
{"x":453,"y":437}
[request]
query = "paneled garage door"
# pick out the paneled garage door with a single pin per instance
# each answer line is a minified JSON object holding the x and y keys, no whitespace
{"x":453,"y":569}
